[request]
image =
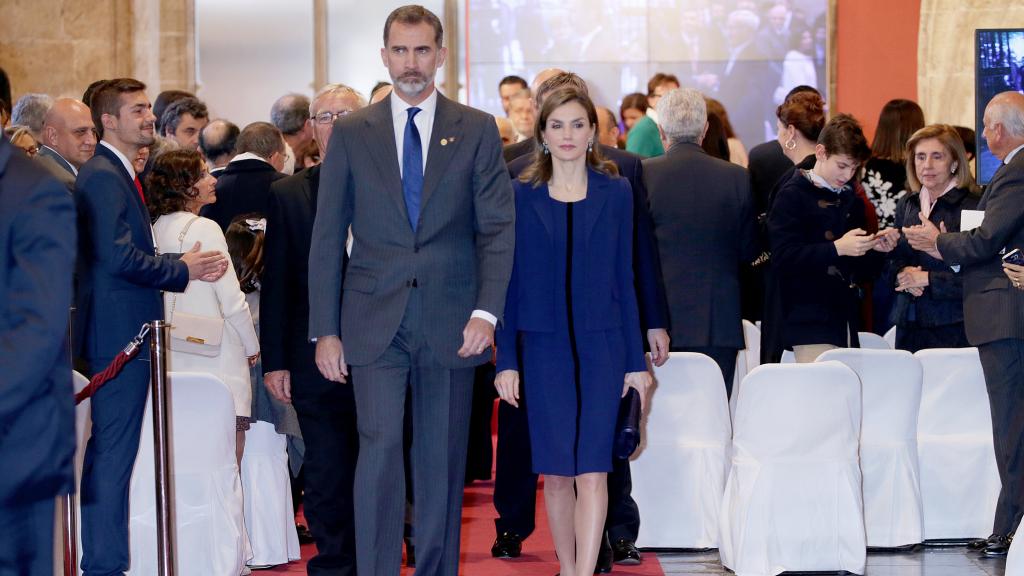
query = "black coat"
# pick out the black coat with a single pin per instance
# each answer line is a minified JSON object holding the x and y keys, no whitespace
{"x":650,"y":290}
{"x":703,"y":218}
{"x":941,"y":303}
{"x":37,"y":254}
{"x":818,"y":295}
{"x":242,"y":188}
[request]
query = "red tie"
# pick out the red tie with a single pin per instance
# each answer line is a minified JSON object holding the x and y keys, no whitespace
{"x":138,"y":186}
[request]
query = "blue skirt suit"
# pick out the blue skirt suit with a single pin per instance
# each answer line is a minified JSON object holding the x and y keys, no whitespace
{"x":571,"y":325}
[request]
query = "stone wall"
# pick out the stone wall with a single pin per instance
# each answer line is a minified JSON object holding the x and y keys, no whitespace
{"x":60,"y":46}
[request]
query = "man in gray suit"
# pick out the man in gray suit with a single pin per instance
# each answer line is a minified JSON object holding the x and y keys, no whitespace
{"x":69,"y":139}
{"x":703,"y":217}
{"x":421,"y":182}
{"x":993,"y":304}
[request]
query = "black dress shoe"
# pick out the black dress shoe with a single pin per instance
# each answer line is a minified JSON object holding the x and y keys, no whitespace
{"x":625,"y":552}
{"x":981,"y":543}
{"x":998,"y":548}
{"x":305,"y":536}
{"x":507,"y":545}
{"x":604,"y":558}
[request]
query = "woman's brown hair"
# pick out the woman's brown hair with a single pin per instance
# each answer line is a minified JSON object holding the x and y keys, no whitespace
{"x":949,"y":137}
{"x":539,"y":172}
{"x":245,"y":237}
{"x":804,"y":111}
{"x":897,"y":121}
{"x":170,"y":184}
{"x":715,"y":107}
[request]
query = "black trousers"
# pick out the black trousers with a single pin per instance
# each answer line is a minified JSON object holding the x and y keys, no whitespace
{"x":480,"y":454}
{"x":1003,"y":364}
{"x":724,"y":357}
{"x":515,"y":484}
{"x":327,"y":419}
{"x":26,"y":538}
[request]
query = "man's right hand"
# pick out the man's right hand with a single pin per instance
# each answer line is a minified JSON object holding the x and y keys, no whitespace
{"x":205,"y":266}
{"x":279,"y":384}
{"x":330,"y":358}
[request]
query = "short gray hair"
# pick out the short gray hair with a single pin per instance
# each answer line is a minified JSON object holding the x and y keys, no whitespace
{"x":1004,"y":111}
{"x":336,"y":89}
{"x":682,"y":115}
{"x":289,"y":113}
{"x":30,"y":111}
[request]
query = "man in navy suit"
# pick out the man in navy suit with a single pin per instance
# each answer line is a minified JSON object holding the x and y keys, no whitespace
{"x":122,"y":277}
{"x":37,"y":441}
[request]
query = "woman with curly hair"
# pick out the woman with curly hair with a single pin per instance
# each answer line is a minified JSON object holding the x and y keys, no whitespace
{"x":177,"y":187}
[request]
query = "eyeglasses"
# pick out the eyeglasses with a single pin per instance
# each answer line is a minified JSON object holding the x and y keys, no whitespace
{"x":324,"y":118}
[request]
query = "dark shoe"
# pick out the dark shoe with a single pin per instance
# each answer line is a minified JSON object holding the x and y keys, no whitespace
{"x":305,"y":536}
{"x":604,"y":558}
{"x":410,"y":553}
{"x":507,"y":545}
{"x":625,"y":552}
{"x":981,"y":543}
{"x":998,"y":548}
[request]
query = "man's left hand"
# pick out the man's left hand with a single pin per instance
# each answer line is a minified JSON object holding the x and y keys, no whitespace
{"x":923,"y":237}
{"x":477,"y":336}
{"x":658,"y":340}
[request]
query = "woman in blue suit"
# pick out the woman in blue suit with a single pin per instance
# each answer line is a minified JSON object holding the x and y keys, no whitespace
{"x":571,"y":324}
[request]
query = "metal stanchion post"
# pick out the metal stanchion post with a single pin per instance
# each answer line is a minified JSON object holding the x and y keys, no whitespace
{"x":69,"y":521}
{"x":162,"y":458}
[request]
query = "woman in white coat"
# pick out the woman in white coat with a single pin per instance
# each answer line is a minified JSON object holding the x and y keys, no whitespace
{"x":177,"y":187}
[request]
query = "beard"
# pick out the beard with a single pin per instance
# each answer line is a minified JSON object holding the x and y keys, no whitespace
{"x":411,"y":84}
{"x":146,"y":138}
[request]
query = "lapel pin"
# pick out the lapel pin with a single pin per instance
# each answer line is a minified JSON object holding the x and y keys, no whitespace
{"x":445,"y":141}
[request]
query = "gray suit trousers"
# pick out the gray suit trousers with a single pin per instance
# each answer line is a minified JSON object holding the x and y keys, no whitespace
{"x":441,"y":403}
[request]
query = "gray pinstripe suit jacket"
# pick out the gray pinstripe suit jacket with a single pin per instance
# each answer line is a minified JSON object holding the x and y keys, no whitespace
{"x":993,"y":309}
{"x":460,"y":256}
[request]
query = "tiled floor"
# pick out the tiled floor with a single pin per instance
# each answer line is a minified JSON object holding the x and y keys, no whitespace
{"x":929,"y":562}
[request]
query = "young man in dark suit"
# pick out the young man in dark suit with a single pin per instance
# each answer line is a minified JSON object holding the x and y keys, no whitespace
{"x":515,"y":484}
{"x":37,"y":445}
{"x":326,"y":410}
{"x":702,"y":207}
{"x":994,"y":303}
{"x":420,"y":180}
{"x":120,"y":284}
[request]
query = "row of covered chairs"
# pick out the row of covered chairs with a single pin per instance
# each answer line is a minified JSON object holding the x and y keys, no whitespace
{"x":864,"y":448}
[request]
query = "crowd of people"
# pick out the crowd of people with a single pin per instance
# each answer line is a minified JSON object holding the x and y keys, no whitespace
{"x":384,"y":270}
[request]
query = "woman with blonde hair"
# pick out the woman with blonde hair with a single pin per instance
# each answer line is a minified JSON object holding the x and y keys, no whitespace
{"x":928,"y":310}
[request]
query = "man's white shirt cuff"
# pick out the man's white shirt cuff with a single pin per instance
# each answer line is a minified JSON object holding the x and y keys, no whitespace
{"x":485,"y":315}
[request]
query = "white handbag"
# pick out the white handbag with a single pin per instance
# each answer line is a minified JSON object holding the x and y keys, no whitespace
{"x":192,"y":333}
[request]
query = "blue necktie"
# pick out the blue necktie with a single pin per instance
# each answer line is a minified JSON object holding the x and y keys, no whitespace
{"x":412,"y":169}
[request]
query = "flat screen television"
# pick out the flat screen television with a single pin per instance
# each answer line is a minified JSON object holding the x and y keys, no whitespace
{"x":999,"y":66}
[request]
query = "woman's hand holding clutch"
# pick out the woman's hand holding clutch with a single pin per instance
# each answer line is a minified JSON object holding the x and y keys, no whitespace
{"x":507,"y":384}
{"x":639,"y":380}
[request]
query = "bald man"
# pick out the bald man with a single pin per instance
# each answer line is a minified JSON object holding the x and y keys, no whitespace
{"x":69,"y":139}
{"x":217,"y":143}
{"x":607,"y":127}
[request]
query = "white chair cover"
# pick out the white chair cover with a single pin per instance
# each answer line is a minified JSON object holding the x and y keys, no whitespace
{"x":679,"y":470}
{"x":1015,"y":559}
{"x":746,"y":360}
{"x":872,"y":341}
{"x":793,"y":498}
{"x":269,"y":516}
{"x":891,"y":397}
{"x":788,"y":357}
{"x":207,"y":491}
{"x":959,"y":480}
{"x":83,"y":431}
{"x":890,"y":337}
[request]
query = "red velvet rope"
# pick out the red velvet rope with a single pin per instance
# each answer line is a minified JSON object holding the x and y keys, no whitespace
{"x":109,"y":372}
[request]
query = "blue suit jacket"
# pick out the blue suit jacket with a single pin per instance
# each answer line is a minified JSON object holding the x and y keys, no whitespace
{"x":37,"y":250}
{"x":121,"y":273}
{"x":610,"y":301}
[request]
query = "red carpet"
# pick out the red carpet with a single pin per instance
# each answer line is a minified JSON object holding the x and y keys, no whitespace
{"x":477,"y":536}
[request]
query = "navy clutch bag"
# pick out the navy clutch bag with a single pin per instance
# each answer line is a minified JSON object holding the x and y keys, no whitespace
{"x":627,"y":427}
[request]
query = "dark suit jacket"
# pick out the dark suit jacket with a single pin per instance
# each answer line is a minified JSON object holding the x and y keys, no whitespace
{"x":284,"y":295}
{"x":767,"y":165}
{"x":993,"y":308}
{"x":610,"y":304}
{"x":521,"y":148}
{"x":650,"y":290}
{"x":58,"y":167}
{"x":37,"y":254}
{"x":459,"y":257}
{"x":242,"y":188}
{"x":122,"y":275}
{"x":704,"y":223}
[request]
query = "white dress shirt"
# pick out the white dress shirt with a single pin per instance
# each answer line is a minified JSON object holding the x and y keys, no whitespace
{"x":424,"y":121}
{"x":124,"y":159}
{"x":1012,"y":154}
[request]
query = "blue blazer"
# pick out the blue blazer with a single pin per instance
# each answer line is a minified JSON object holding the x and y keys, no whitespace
{"x":609,"y":303}
{"x":37,"y":250}
{"x":121,"y":274}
